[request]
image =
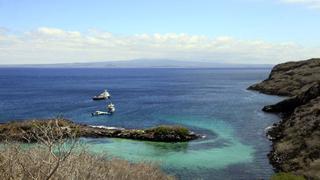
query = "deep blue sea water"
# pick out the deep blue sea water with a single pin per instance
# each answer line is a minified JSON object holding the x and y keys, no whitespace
{"x":212,"y":102}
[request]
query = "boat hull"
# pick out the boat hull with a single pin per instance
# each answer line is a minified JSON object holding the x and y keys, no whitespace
{"x":99,"y":98}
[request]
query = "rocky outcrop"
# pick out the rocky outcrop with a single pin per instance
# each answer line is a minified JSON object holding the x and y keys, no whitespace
{"x":288,"y":105}
{"x":291,"y":78}
{"x":33,"y":130}
{"x":296,"y":138}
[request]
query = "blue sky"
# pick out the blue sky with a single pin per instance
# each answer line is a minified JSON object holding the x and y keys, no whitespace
{"x":270,"y":21}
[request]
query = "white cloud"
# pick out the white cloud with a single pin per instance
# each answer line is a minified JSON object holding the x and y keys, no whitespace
{"x":314,"y":4}
{"x":51,"y":45}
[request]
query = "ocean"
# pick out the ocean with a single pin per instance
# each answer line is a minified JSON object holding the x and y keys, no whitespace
{"x":211,"y":102}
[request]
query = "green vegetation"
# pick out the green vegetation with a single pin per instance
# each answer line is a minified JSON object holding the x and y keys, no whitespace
{"x":169,"y":130}
{"x":286,"y":176}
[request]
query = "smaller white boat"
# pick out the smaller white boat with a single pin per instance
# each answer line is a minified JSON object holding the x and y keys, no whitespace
{"x":111,"y":108}
{"x":99,"y":113}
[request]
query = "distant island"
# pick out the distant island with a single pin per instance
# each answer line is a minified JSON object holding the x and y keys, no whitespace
{"x":143,"y":63}
{"x":296,"y":138}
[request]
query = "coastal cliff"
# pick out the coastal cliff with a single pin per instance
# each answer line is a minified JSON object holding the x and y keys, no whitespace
{"x":30,"y":130}
{"x":291,"y":78}
{"x":296,"y":138}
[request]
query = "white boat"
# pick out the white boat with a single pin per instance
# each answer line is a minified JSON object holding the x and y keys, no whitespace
{"x":99,"y":113}
{"x":111,"y":108}
{"x":102,"y":96}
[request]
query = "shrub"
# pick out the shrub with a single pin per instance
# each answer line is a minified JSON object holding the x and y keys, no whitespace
{"x":169,"y":130}
{"x":286,"y":176}
{"x":38,"y":162}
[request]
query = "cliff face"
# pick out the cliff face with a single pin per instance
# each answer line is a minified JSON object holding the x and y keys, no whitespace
{"x":296,"y":138}
{"x":291,"y":78}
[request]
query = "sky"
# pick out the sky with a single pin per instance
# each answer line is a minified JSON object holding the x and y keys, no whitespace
{"x":228,"y":31}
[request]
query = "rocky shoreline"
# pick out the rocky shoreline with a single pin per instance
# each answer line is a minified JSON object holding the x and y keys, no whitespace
{"x":296,"y":138}
{"x":33,"y":130}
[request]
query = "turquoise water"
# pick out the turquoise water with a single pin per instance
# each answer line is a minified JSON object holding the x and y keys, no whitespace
{"x":228,"y":149}
{"x":211,"y":102}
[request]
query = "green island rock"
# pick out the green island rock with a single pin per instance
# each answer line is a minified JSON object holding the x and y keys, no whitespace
{"x":23,"y":131}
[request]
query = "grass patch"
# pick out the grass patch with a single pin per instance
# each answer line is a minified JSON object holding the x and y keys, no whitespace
{"x":286,"y":176}
{"x":169,"y":130}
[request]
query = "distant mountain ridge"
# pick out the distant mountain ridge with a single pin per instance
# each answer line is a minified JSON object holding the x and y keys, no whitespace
{"x":144,"y":63}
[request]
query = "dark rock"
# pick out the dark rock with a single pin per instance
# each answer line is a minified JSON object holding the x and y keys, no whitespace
{"x":296,"y":138}
{"x":288,"y":105}
{"x":291,"y":78}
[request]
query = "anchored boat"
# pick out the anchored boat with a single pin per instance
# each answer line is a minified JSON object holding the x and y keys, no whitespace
{"x":99,"y":113}
{"x":110,"y":107}
{"x":110,"y":110}
{"x":102,"y":96}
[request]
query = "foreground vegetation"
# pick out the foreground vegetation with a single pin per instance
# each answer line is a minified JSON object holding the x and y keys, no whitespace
{"x":55,"y":157}
{"x":39,"y":163}
{"x":286,"y":176}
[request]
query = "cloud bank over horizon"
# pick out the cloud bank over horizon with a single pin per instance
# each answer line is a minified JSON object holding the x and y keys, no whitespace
{"x":46,"y":45}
